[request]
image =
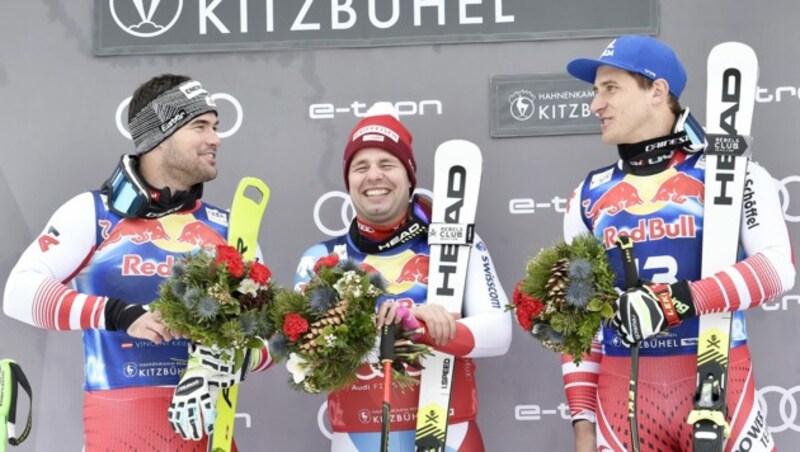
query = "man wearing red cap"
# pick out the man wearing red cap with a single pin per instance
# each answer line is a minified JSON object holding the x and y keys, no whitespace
{"x":654,"y":194}
{"x":389,"y":235}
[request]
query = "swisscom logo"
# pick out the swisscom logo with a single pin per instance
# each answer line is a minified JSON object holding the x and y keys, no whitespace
{"x":145,"y":18}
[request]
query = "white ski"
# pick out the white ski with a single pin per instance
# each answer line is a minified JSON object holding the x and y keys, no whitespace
{"x":457,"y":174}
{"x":732,"y":80}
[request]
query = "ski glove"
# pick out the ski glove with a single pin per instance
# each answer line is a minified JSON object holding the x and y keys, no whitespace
{"x":221,"y":364}
{"x":642,"y":312}
{"x":192,"y":411}
{"x":209,"y":369}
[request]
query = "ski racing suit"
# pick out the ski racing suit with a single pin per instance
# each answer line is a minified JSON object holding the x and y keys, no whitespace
{"x":663,"y":215}
{"x":128,"y":382}
{"x":483,"y":331}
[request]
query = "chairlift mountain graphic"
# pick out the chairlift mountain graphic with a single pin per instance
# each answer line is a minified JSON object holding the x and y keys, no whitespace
{"x":145,"y":18}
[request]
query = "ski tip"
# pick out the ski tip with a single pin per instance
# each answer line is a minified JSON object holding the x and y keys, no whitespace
{"x":252,"y":190}
{"x":460,"y":147}
{"x":733,"y":48}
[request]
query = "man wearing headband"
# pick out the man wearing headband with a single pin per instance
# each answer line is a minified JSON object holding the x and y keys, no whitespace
{"x":113,"y":247}
{"x":654,"y":194}
{"x":389,"y":235}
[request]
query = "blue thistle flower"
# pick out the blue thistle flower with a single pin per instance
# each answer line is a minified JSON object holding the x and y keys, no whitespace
{"x":178,"y":287}
{"x":579,"y":293}
{"x":348,"y":265}
{"x":540,"y":330}
{"x":178,"y":269}
{"x":545,"y":333}
{"x":265,"y":326}
{"x":555,"y":337}
{"x":579,"y":269}
{"x":377,"y":280}
{"x":192,"y":294}
{"x":278,"y":346}
{"x":248,"y":324}
{"x":321,"y":298}
{"x":207,"y":308}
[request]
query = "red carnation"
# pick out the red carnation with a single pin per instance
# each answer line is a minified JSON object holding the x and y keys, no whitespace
{"x":528,"y":308}
{"x":294,"y":325}
{"x":231,"y":258}
{"x":260,"y":273}
{"x":329,"y":261}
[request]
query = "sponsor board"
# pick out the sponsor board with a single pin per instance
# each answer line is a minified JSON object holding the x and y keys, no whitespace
{"x":540,"y":104}
{"x":178,"y":26}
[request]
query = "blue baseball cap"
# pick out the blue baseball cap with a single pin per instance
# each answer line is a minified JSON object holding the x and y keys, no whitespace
{"x":636,"y":53}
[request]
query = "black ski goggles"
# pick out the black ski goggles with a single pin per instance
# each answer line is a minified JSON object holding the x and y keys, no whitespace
{"x":127,"y":194}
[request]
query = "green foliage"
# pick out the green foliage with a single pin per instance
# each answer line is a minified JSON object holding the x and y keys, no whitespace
{"x":202,"y":301}
{"x":338,"y":338}
{"x":572,"y":327}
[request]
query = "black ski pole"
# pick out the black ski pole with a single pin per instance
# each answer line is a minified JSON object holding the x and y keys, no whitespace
{"x":625,"y":245}
{"x":387,"y":356}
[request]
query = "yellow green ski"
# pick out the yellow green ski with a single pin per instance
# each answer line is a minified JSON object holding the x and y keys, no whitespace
{"x":247,"y":209}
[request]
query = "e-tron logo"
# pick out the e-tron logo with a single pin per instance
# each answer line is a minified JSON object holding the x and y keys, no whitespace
{"x":359,"y":109}
{"x":333,"y":218}
{"x":118,"y":117}
{"x":786,"y":403}
{"x":143,"y":18}
{"x":521,"y":105}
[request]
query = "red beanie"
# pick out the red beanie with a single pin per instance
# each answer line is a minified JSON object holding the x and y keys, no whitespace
{"x":382,"y":129}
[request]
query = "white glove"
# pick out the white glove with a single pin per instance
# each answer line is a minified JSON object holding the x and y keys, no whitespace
{"x":193,"y":408}
{"x":209,"y":369}
{"x":221,"y":364}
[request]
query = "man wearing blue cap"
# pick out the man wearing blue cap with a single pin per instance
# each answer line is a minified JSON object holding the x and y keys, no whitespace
{"x":654,"y":194}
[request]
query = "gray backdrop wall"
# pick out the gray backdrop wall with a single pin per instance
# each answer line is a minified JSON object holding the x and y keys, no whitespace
{"x":59,"y":137}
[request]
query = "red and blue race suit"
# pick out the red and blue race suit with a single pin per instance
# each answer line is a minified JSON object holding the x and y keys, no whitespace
{"x":663,"y":214}
{"x":85,"y":256}
{"x":483,"y":331}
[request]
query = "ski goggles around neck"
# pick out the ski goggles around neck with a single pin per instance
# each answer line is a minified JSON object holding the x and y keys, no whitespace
{"x":128,"y":195}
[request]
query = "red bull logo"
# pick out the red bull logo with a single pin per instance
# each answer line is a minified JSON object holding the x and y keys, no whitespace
{"x":368,"y":268}
{"x":198,"y":233}
{"x":679,"y":188}
{"x":415,"y":270}
{"x":618,"y":198}
{"x":136,"y":231}
{"x":134,"y":265}
{"x":653,"y":229}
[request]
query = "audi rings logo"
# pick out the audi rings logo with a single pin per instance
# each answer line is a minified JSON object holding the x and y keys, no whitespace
{"x":326,"y":431}
{"x":784,"y":401}
{"x":144,"y":18}
{"x":333,"y":211}
{"x":785,"y":198}
{"x":375,"y":371}
{"x":216,"y":97}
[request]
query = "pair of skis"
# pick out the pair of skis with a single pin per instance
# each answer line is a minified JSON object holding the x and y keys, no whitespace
{"x":247,"y":209}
